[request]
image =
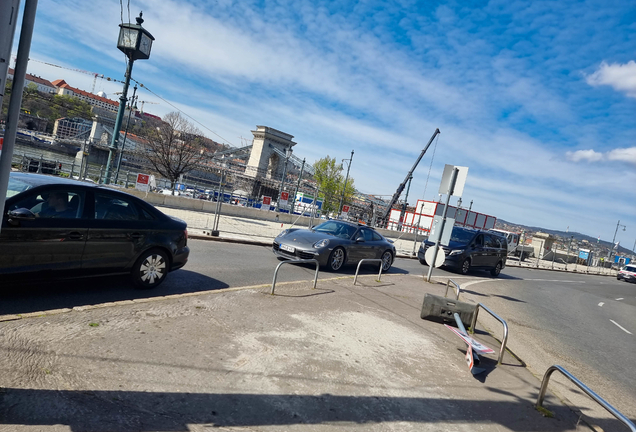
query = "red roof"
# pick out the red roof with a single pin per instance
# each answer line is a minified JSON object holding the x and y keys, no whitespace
{"x":62,"y":84}
{"x":35,"y":79}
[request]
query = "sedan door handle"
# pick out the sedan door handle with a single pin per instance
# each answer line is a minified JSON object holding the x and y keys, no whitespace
{"x":74,"y":235}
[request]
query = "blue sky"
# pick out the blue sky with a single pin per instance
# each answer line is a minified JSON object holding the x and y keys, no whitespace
{"x":537,"y":98}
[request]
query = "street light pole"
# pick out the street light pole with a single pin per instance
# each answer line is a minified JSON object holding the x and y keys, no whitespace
{"x":345,"y":184}
{"x":609,"y":253}
{"x":123,"y":143}
{"x":120,"y":115}
{"x":135,"y":42}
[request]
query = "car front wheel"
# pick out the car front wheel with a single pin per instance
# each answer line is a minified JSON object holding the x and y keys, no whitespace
{"x":150,"y":269}
{"x":336,"y":259}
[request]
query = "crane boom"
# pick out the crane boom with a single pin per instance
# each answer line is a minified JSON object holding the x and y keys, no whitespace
{"x":384,"y":219}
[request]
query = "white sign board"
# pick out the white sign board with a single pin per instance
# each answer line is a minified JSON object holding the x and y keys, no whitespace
{"x":444,"y":237}
{"x":143,"y":181}
{"x":444,"y":187}
{"x":479,"y":348}
{"x":439,"y":259}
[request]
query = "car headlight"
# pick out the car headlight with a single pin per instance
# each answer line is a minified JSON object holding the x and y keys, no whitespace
{"x":321,"y":243}
{"x":456,"y":252}
{"x":283,"y":233}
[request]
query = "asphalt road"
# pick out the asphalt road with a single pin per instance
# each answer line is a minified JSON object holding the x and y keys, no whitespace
{"x":585,"y":323}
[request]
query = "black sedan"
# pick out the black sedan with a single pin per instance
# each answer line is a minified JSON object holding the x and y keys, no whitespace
{"x":333,"y":244}
{"x":56,"y":228}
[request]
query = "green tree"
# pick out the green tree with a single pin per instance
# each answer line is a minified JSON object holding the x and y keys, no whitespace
{"x":330,"y":178}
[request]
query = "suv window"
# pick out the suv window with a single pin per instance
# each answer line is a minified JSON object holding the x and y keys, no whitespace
{"x":492,"y":241}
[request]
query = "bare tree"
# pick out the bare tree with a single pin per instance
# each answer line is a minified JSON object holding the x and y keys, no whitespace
{"x":173,"y":147}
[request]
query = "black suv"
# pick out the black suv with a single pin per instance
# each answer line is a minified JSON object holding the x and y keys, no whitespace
{"x":470,"y":248}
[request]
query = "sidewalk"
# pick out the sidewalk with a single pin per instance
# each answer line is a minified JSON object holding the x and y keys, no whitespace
{"x":336,"y":358}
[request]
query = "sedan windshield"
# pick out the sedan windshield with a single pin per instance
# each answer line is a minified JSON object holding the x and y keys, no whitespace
{"x":16,"y":186}
{"x":337,"y":229}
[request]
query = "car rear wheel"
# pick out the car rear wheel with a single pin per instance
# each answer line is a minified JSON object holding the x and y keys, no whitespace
{"x":465,"y":266}
{"x":495,"y":272}
{"x":423,"y":262}
{"x":387,"y":261}
{"x":150,"y":269}
{"x":336,"y":259}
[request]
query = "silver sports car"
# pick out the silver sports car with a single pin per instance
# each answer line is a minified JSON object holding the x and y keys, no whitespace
{"x":334,"y":243}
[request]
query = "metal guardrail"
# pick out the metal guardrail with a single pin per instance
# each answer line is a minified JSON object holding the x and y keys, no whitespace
{"x":504,"y":340}
{"x":368,"y":260}
{"x":586,"y":389}
{"x":458,"y":289}
{"x":303,"y":261}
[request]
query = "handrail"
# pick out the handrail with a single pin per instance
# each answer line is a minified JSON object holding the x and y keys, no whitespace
{"x":456,"y":286}
{"x":368,"y":260}
{"x":586,"y":389}
{"x":302,"y":261}
{"x":504,"y":340}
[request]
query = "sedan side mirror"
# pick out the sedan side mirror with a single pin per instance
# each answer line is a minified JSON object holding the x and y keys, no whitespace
{"x":360,"y":240}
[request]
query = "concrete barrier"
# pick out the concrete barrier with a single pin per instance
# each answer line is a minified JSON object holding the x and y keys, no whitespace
{"x":186,"y":203}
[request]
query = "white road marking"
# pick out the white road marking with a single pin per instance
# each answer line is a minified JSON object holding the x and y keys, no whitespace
{"x":478,"y":281}
{"x":619,"y":299}
{"x":620,"y":327}
{"x":555,"y":280}
{"x":601,"y":304}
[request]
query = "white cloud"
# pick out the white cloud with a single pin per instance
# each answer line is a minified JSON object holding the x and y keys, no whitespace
{"x":588,"y":155}
{"x":624,"y":154}
{"x":621,"y":154}
{"x":622,"y":77}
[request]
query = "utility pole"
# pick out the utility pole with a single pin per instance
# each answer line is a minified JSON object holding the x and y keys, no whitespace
{"x":302,"y":169}
{"x":345,"y":184}
{"x":288,"y":153}
{"x":403,"y":212}
{"x":567,"y":257}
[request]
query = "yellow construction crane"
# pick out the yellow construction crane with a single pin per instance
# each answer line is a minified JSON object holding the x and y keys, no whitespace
{"x":141,"y":110}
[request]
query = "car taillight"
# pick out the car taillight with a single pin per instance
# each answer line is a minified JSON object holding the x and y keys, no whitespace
{"x":185,"y":233}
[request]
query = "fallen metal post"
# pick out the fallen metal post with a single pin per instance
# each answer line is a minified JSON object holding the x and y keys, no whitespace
{"x":303,"y":261}
{"x":504,"y":340}
{"x":458,"y":289}
{"x":368,"y":260}
{"x":586,"y":389}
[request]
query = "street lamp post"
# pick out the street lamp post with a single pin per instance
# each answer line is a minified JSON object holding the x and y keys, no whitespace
{"x":288,"y":154}
{"x":123,"y":143}
{"x":609,"y":253}
{"x":135,"y":42}
{"x":344,"y":188}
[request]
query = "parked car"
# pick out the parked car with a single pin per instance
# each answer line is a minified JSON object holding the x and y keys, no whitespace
{"x":60,"y":228}
{"x":334,"y":244}
{"x":471,"y":249}
{"x":627,"y":273}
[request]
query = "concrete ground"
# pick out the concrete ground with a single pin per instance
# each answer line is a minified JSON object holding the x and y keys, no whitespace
{"x":338,"y":357}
